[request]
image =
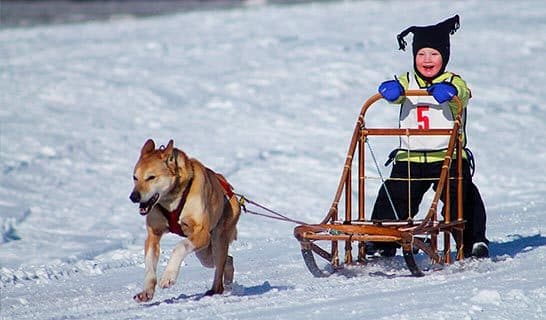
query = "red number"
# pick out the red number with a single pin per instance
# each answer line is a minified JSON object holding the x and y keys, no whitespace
{"x":422,"y":119}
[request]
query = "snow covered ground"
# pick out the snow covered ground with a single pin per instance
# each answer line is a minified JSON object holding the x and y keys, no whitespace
{"x":267,"y":95}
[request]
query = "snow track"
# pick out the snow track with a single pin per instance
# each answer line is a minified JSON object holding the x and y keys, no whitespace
{"x":278,"y":287}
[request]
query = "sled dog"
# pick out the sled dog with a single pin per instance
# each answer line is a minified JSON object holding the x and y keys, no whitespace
{"x":180,"y":195}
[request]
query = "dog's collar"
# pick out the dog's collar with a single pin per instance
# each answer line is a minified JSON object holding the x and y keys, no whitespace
{"x":173,"y":217}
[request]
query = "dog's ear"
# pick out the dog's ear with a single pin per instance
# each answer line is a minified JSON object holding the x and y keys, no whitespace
{"x":169,"y":148}
{"x":148,"y":147}
{"x":168,"y":151}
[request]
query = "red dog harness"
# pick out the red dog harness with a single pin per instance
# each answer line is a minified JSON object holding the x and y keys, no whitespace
{"x":173,"y":217}
{"x":228,"y":189}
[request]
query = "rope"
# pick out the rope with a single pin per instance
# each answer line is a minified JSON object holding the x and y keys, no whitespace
{"x":273,"y":214}
{"x":382,"y":179}
{"x":409,"y":175}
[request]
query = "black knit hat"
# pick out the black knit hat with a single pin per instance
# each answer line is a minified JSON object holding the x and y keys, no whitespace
{"x":435,"y":36}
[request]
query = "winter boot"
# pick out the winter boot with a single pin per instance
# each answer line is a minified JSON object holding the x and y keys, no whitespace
{"x":480,"y":250}
{"x":383,"y":249}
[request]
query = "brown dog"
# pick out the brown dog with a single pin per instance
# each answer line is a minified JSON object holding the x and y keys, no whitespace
{"x":180,"y":195}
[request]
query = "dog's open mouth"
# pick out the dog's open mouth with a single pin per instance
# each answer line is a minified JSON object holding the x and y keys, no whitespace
{"x":145,"y":207}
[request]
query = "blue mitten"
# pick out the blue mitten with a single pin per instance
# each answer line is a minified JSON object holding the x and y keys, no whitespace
{"x":391,"y":90}
{"x":442,"y":92}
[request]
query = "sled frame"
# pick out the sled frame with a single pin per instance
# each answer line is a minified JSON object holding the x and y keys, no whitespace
{"x":408,"y":233}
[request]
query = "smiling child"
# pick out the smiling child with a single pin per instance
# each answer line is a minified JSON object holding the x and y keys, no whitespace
{"x":425,"y":154}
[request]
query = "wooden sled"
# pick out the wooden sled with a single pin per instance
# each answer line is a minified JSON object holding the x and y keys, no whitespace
{"x":348,"y":228}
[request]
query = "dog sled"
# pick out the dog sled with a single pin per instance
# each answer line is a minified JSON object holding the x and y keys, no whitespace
{"x":341,"y":236}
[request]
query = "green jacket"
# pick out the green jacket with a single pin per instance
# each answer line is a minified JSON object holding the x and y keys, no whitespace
{"x":464,"y":94}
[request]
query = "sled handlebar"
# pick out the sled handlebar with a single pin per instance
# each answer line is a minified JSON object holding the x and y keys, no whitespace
{"x":408,"y":93}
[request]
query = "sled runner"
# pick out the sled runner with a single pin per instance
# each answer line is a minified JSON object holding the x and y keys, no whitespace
{"x":348,"y":228}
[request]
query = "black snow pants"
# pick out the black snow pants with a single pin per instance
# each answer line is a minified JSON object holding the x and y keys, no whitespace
{"x":473,"y":206}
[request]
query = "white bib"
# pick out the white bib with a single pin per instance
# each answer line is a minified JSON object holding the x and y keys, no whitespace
{"x":424,"y":112}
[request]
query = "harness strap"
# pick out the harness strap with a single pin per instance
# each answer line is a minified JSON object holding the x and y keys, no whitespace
{"x":173,"y":216}
{"x":228,"y":188}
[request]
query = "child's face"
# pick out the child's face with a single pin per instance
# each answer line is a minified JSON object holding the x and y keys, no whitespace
{"x":428,"y":62}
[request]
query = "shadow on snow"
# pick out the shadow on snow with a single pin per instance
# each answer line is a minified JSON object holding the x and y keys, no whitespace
{"x":517,"y":245}
{"x":396,"y":267}
{"x":237,"y":290}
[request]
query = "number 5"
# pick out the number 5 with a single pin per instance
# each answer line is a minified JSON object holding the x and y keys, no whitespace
{"x":422,"y":119}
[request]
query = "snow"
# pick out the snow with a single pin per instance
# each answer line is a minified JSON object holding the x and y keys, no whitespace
{"x":267,"y":95}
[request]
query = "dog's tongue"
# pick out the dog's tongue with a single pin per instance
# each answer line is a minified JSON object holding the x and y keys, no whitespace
{"x":143,"y":209}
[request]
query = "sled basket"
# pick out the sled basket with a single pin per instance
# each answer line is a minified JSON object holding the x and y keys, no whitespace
{"x":341,"y":226}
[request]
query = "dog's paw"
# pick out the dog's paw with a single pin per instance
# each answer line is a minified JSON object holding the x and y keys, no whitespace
{"x":210,"y":293}
{"x":168,"y":279}
{"x":144,"y":296}
{"x":214,"y":291}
